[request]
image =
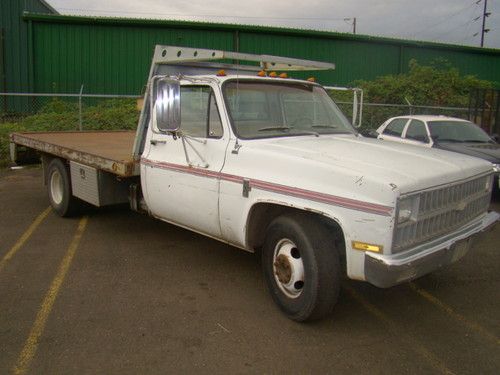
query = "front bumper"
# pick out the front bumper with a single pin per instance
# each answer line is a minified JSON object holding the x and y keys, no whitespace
{"x":388,"y":270}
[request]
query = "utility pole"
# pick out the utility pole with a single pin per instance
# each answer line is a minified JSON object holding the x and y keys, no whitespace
{"x":353,"y":23}
{"x":485,"y":14}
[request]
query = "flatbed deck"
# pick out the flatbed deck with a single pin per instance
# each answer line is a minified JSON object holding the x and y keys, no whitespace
{"x":110,"y":151}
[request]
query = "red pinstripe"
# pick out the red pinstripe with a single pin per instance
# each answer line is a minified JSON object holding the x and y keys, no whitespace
{"x":277,"y":188}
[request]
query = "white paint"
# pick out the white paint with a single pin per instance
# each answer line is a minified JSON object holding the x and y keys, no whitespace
{"x":209,"y":199}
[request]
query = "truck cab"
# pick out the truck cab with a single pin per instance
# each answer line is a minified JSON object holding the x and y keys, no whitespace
{"x":246,"y":152}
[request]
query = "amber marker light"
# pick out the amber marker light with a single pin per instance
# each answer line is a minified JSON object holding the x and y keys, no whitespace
{"x":273,"y":74}
{"x":261,"y":73}
{"x":221,"y":73}
{"x":366,"y":247}
{"x":283,"y":75}
{"x":311,"y":79}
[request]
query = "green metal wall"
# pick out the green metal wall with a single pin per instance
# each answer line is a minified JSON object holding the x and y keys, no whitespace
{"x":14,"y":75}
{"x":350,"y":56}
{"x":113,"y":55}
{"x":104,"y":58}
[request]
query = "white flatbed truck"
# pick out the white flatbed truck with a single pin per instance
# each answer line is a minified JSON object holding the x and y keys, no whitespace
{"x":268,"y":163}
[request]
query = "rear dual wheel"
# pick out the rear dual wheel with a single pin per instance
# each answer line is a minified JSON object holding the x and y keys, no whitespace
{"x":301,"y":267}
{"x":59,"y":189}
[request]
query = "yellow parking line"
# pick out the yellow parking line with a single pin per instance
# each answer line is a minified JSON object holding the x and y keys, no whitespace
{"x":26,"y":235}
{"x":473,"y":326}
{"x":416,"y":346}
{"x":31,"y":344}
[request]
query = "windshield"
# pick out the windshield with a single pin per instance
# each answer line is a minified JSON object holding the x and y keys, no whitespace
{"x":457,"y":131}
{"x":276,"y":109}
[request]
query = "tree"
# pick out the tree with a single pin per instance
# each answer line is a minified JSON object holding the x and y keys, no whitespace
{"x":438,"y":84}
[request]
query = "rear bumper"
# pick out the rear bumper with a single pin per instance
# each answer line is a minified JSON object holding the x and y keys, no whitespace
{"x":388,"y":270}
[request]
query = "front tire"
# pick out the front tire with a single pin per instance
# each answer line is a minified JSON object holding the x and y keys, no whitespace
{"x":59,"y":189}
{"x":301,"y":267}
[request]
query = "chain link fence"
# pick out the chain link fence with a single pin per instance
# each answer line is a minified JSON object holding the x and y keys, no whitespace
{"x":22,"y":107}
{"x":70,"y":112}
{"x":63,"y":112}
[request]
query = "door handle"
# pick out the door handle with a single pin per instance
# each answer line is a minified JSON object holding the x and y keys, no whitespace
{"x":154,"y":142}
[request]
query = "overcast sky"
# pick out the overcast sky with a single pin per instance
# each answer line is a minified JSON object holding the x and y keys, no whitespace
{"x":449,"y":21}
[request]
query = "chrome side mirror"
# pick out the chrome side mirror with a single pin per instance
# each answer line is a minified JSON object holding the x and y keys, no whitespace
{"x":166,"y":103}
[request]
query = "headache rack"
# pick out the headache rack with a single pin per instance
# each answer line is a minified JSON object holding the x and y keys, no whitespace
{"x":178,"y":61}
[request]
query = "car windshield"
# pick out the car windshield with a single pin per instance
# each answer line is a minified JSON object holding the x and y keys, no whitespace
{"x":263,"y":109}
{"x":457,"y":131}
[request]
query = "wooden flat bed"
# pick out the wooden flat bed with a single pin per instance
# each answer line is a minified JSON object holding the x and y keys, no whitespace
{"x":110,"y":151}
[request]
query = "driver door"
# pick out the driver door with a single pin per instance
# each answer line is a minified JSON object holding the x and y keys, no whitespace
{"x":181,"y":174}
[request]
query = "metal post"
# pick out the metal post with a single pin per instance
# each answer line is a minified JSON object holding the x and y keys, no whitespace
{"x":496,"y":113}
{"x":3,"y":73}
{"x":354,"y":26}
{"x":80,"y":108}
{"x":410,"y":106}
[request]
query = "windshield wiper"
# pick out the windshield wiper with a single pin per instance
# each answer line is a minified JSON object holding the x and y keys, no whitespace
{"x":439,"y":140}
{"x":307,"y":132}
{"x":287,"y":129}
{"x":272,"y":128}
{"x":325,"y":126}
{"x":474,"y":141}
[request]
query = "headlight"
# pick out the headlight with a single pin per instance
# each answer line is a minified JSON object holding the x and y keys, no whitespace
{"x":496,"y":167}
{"x":489,"y":183}
{"x":408,"y":209}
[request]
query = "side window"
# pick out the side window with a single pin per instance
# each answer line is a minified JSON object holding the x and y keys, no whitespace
{"x":416,"y":131}
{"x":395,"y":127}
{"x":199,"y":113}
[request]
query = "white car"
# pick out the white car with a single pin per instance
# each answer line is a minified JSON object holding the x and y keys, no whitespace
{"x":446,"y":133}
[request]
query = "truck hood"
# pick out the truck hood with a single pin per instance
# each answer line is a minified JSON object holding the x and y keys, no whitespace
{"x":404,"y":168}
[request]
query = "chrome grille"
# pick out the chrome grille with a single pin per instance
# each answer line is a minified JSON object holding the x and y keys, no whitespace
{"x":443,"y":211}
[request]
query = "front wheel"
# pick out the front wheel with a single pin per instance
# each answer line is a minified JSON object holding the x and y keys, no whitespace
{"x":301,"y":267}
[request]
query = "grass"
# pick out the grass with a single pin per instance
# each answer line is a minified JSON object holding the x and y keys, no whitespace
{"x":59,"y":115}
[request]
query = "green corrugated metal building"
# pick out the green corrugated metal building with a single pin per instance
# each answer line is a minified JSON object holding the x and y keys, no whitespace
{"x":112,"y":55}
{"x":15,"y":43}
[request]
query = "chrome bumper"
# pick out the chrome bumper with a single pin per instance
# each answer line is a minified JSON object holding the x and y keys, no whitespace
{"x":388,"y":270}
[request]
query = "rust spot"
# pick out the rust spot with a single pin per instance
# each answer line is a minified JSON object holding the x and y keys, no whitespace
{"x":283,"y":270}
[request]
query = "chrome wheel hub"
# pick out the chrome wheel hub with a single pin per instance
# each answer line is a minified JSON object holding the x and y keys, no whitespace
{"x":288,"y":268}
{"x":56,"y":187}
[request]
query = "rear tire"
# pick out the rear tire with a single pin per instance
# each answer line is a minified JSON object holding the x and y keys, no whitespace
{"x":301,"y":267}
{"x":59,"y":189}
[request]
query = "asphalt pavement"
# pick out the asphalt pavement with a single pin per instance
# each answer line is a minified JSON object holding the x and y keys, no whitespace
{"x":116,"y":292}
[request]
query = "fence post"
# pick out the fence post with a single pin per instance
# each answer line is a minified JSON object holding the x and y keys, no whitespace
{"x":410,"y":106}
{"x":80,"y":108}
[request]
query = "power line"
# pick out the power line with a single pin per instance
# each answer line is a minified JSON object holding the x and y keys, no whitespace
{"x":453,"y":29}
{"x":448,"y":17}
{"x":468,"y":36}
{"x":466,"y":24}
